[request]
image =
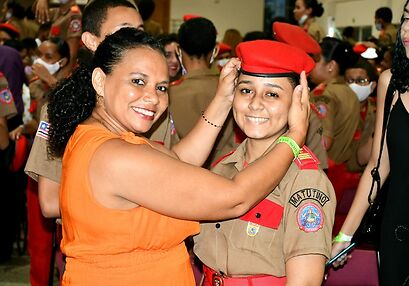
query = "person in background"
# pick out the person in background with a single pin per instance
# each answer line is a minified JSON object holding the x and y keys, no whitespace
{"x":348,"y":35}
{"x":386,"y":62}
{"x":224,"y":54}
{"x":286,"y":238}
{"x":27,"y":28}
{"x":8,"y":32}
{"x":232,"y":37}
{"x":151,"y":197}
{"x":338,"y":108}
{"x":189,"y":98}
{"x":146,"y":9}
{"x":394,"y":234}
{"x":305,"y":12}
{"x":171,"y":46}
{"x":387,"y":31}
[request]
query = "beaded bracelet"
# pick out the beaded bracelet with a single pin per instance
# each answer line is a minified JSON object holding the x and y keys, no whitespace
{"x":290,"y":142}
{"x":342,"y":237}
{"x":211,"y":123}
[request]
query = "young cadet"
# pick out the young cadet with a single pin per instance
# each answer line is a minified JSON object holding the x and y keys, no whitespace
{"x":286,"y":238}
{"x":296,"y":36}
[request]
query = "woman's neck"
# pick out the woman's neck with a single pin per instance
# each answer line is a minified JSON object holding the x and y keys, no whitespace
{"x":101,"y":117}
{"x":256,"y":148}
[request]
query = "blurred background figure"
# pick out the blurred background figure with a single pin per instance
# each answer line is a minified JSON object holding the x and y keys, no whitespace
{"x":146,"y":9}
{"x":232,"y":37}
{"x":305,"y":12}
{"x":171,"y":46}
{"x":387,"y":31}
{"x":348,"y":35}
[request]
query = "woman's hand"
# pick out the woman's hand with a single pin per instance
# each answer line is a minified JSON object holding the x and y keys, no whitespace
{"x":44,"y":74}
{"x":228,"y":78}
{"x":40,"y":8}
{"x":16,"y":133}
{"x":299,"y":113}
{"x":337,"y":247}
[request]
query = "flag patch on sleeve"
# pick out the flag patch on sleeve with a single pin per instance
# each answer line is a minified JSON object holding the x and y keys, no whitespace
{"x":43,"y":129}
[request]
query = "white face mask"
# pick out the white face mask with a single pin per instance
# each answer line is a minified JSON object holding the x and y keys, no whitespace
{"x":362,"y":91}
{"x":222,"y":62}
{"x":8,"y":15}
{"x":52,"y":68}
{"x":378,"y":26}
{"x":303,"y":19}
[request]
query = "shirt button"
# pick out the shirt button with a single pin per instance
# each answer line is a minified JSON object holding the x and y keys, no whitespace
{"x":217,"y":225}
{"x":258,"y":215}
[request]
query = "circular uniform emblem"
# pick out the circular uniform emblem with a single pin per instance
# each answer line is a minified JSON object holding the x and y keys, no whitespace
{"x":5,"y":96}
{"x":75,"y":25}
{"x":322,"y":110}
{"x":310,"y":217}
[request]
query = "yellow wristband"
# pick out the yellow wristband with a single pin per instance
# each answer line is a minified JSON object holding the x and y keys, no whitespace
{"x":290,"y":142}
{"x":342,"y":237}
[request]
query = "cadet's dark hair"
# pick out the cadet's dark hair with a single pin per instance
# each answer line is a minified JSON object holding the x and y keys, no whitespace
{"x":362,"y":63}
{"x":95,"y":13}
{"x":166,"y":39}
{"x":316,"y":7}
{"x":74,"y":99}
{"x":400,"y":62}
{"x":339,"y":51}
{"x":62,"y":47}
{"x":146,"y":8}
{"x":197,"y":37}
{"x":384,"y":13}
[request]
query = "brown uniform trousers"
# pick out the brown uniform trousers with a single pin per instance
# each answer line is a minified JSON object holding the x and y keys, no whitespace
{"x":338,"y":109}
{"x":187,"y":101}
{"x":295,"y":219}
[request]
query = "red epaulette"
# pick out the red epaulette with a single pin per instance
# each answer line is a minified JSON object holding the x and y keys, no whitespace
{"x":319,"y":89}
{"x":306,"y":160}
{"x":75,"y":9}
{"x":217,"y":161}
{"x":176,"y":82}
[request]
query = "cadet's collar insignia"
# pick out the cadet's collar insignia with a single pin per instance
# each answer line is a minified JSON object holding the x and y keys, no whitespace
{"x":252,"y":229}
{"x":6,"y":96}
{"x":43,"y":129}
{"x":319,"y":89}
{"x":308,"y":194}
{"x":322,"y":110}
{"x":75,"y":25}
{"x":310,"y":217}
{"x":306,"y":159}
{"x":176,"y":82}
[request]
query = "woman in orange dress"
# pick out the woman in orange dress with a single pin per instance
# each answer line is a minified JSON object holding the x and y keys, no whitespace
{"x":127,"y":203}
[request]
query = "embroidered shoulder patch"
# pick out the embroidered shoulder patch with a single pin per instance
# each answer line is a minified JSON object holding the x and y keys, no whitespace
{"x":6,"y":96}
{"x":310,"y":217}
{"x":75,"y":25}
{"x":322,"y":109}
{"x":43,"y":129}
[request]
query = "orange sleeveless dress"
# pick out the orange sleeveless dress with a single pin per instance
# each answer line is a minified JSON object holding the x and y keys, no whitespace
{"x":116,"y":247}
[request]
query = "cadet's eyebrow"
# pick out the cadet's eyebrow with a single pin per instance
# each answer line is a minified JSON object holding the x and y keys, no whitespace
{"x":273,"y":85}
{"x":245,"y":82}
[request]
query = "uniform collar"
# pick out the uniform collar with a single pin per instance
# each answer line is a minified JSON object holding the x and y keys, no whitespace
{"x":201,"y":72}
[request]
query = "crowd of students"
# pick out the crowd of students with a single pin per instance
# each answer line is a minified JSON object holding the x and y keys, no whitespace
{"x":131,"y":137}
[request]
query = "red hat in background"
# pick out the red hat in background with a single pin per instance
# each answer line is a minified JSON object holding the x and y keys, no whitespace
{"x":224,"y":48}
{"x":187,"y":17}
{"x":272,"y":58}
{"x":295,"y":36}
{"x":359,"y":48}
{"x":12,"y":30}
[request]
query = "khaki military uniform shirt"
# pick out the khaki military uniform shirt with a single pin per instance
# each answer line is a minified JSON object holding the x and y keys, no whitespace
{"x":66,"y":24}
{"x":365,"y":131}
{"x":295,"y":219}
{"x":315,"y":30}
{"x":192,"y":96}
{"x":164,"y":131}
{"x":7,"y":107}
{"x":39,"y":163}
{"x":314,"y":140}
{"x":388,"y":36}
{"x":338,"y":108}
{"x":28,"y":28}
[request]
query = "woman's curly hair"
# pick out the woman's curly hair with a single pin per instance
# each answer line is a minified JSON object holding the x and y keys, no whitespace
{"x":400,"y":62}
{"x":73,"y":99}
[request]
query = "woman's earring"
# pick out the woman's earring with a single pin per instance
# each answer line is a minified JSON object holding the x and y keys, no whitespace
{"x":100,"y":98}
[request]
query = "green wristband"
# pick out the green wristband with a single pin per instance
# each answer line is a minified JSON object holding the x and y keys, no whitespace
{"x":290,"y":142}
{"x":342,"y":237}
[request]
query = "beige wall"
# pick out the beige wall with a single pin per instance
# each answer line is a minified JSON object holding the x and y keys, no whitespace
{"x":244,"y":15}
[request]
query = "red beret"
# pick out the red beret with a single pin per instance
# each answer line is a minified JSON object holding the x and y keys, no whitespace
{"x":295,"y":36}
{"x":224,"y":48}
{"x":269,"y":58}
{"x":10,"y":29}
{"x":187,"y":17}
{"x":359,"y":48}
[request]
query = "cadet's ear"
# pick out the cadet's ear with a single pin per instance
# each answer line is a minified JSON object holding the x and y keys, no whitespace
{"x":63,"y":62}
{"x":98,"y":81}
{"x":90,"y":41}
